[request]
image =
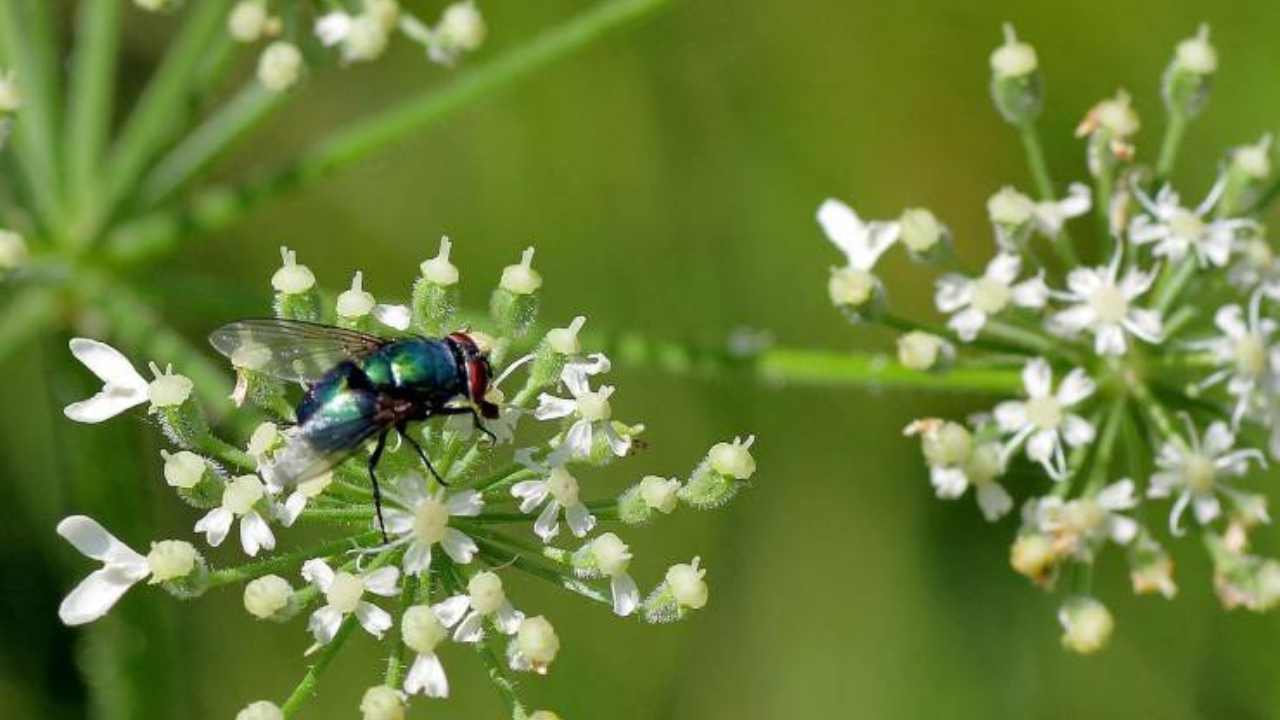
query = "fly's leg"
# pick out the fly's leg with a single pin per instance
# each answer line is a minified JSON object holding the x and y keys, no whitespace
{"x":404,"y":433}
{"x":475,"y":418}
{"x":373,"y":476}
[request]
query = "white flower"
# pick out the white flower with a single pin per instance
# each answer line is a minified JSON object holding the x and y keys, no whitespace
{"x":955,"y":463}
{"x":485,"y":599}
{"x":1104,"y":305}
{"x":424,"y":522}
{"x":261,"y":710}
{"x":556,"y":489}
{"x":240,"y":497}
{"x":970,"y":302}
{"x":1077,"y":526}
{"x":1086,"y":625}
{"x":1176,"y":230}
{"x":122,"y":568}
{"x":1196,"y":54}
{"x":302,"y":494}
{"x":279,"y":66}
{"x":1242,"y":354}
{"x":612,"y":557}
{"x":183,"y":469}
{"x":1254,"y":160}
{"x":687,"y":584}
{"x":248,"y":21}
{"x":382,"y":703}
{"x":535,"y":646}
{"x":1043,"y":420}
{"x":123,"y":386}
{"x":1195,"y":471}
{"x":343,"y":594}
{"x":589,"y":408}
{"x":1014,"y":58}
{"x":521,"y":278}
{"x":1010,"y":210}
{"x":363,"y":37}
{"x":862,"y":244}
{"x":266,"y":596}
{"x":423,"y":631}
{"x":438,"y":270}
{"x":1051,"y":215}
{"x":461,"y":29}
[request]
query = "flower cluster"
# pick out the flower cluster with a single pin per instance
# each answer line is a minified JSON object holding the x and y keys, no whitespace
{"x":1143,"y":367}
{"x":453,"y":528}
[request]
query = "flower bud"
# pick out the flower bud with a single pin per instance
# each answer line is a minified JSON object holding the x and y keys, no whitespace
{"x":171,"y":560}
{"x":261,"y":710}
{"x":438,"y":270}
{"x":266,"y":438}
{"x":1187,"y":80}
{"x":733,"y":459}
{"x":556,"y":349}
{"x":543,"y":715}
{"x":564,"y":341}
{"x":921,"y":232}
{"x":267,"y":597}
{"x":13,"y":250}
{"x":1032,"y":555}
{"x":920,"y":350}
{"x":1151,"y":568}
{"x":435,"y":293}
{"x":515,"y":302}
{"x":168,"y":390}
{"x":852,"y":288}
{"x":158,"y":5}
{"x":382,"y":703}
{"x":487,"y":595}
{"x":687,"y":585}
{"x":461,"y":26}
{"x":355,"y":303}
{"x":279,"y":66}
{"x":1086,"y":625}
{"x":1009,"y":207}
{"x":422,"y":630}
{"x":296,"y":296}
{"x":537,"y":642}
{"x":248,"y":21}
{"x":946,"y":445}
{"x":1015,"y":84}
{"x":718,"y":478}
{"x":183,"y":469}
{"x":659,"y":493}
{"x":610,"y":555}
{"x":1251,"y":161}
{"x":366,"y":39}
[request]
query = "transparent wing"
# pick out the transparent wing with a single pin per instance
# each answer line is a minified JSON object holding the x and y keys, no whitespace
{"x":325,"y":439}
{"x":291,"y":349}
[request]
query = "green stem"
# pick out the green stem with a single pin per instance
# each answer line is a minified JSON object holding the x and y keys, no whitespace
{"x":1044,"y":186}
{"x":500,"y":676}
{"x":92,"y":78}
{"x":289,"y":560}
{"x":1173,"y":282}
{"x":307,"y":688}
{"x":206,"y":143}
{"x":395,"y":658}
{"x":1156,"y":413}
{"x":1106,"y":446}
{"x":1173,"y":134}
{"x":216,"y":208}
{"x":1103,"y":187}
{"x":496,"y":555}
{"x":826,"y":368}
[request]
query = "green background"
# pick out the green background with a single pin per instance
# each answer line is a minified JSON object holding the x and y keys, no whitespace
{"x":668,"y":177}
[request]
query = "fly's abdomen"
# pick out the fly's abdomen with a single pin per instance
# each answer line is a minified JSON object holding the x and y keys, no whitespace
{"x":425,"y":369}
{"x":338,"y":413}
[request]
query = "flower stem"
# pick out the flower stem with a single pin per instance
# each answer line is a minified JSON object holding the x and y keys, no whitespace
{"x":216,"y":208}
{"x":828,"y":368}
{"x":497,"y":556}
{"x":252,"y":570}
{"x":1173,"y":134}
{"x":1173,"y":283}
{"x":395,"y":659}
{"x":499,"y":675}
{"x":1044,"y":186}
{"x":307,"y":688}
{"x":1106,"y":446}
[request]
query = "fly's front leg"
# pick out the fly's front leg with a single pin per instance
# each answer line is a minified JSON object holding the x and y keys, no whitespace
{"x":373,"y":476}
{"x":404,"y":433}
{"x":475,"y":419}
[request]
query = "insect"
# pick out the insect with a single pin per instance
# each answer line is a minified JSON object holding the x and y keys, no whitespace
{"x":358,"y":386}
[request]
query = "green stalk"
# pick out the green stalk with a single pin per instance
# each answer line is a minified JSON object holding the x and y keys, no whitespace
{"x":217,"y":208}
{"x":395,"y":658}
{"x":826,"y":368}
{"x":89,"y":103}
{"x":36,"y":122}
{"x":1044,"y":186}
{"x":204,"y":145}
{"x":1173,"y":282}
{"x":160,"y":112}
{"x":1173,"y":134}
{"x":307,"y":688}
{"x":287,"y":561}
{"x":1106,"y":446}
{"x":500,"y":676}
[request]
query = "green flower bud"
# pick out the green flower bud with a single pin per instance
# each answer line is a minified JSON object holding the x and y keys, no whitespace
{"x":514,"y":304}
{"x":1016,"y":87}
{"x":719,"y":477}
{"x":296,"y":294}
{"x":1189,"y":77}
{"x":435,"y":293}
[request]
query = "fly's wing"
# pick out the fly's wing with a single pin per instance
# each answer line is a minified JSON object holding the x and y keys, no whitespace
{"x":323,"y":441}
{"x":291,"y":349}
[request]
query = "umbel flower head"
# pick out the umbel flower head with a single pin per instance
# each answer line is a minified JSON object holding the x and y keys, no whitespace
{"x":463,"y":534}
{"x":1097,"y":337}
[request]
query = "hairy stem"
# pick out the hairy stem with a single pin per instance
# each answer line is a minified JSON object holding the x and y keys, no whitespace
{"x":1169,"y":145}
{"x":1044,"y":186}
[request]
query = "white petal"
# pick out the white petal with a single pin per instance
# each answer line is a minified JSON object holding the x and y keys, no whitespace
{"x":324,"y":624}
{"x":458,"y":547}
{"x":1143,"y":231}
{"x":450,"y":610}
{"x":1118,"y":495}
{"x":507,"y":619}
{"x":1076,"y":430}
{"x":332,"y":28}
{"x":215,"y":525}
{"x":318,"y":573}
{"x":292,"y":508}
{"x":417,"y":559}
{"x":93,"y":540}
{"x":618,"y":444}
{"x":952,"y":293}
{"x":1122,"y":529}
{"x":1041,"y":445}
{"x":393,"y":316}
{"x":531,"y":494}
{"x":1230,"y":320}
{"x":467,"y":503}
{"x":967,"y":323}
{"x":948,"y":483}
{"x":993,"y":500}
{"x":578,"y":438}
{"x":471,"y":629}
{"x":95,"y":595}
{"x":1175,"y":515}
{"x":1135,"y":283}
{"x":1075,"y":318}
{"x":551,"y":407}
{"x":1207,"y":508}
{"x":1004,"y":268}
{"x":1109,"y":340}
{"x":1037,"y":378}
{"x":1033,"y":293}
{"x":626,"y":596}
{"x":579,"y":519}
{"x":1218,"y":439}
{"x":1145,"y":324}
{"x":108,"y":403}
{"x":109,"y":364}
{"x":255,"y":534}
{"x":843,"y":227}
{"x":427,"y":677}
{"x":1084,"y":281}
{"x":382,"y":581}
{"x":1162,"y":484}
{"x":547,"y":525}
{"x":1011,"y":415}
{"x":373,"y":619}
{"x":398,"y":522}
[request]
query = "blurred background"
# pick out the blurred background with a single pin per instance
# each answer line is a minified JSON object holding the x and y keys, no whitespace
{"x":668,"y":177}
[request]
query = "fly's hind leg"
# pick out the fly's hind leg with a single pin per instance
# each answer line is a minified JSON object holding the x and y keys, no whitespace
{"x":373,"y":476}
{"x":404,"y":433}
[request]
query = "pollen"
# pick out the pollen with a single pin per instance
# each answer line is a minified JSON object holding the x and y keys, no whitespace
{"x":344,"y":592}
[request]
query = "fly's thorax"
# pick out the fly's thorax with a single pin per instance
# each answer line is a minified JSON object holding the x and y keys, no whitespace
{"x":419,"y":367}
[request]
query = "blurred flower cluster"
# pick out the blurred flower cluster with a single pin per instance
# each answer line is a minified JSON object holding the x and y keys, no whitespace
{"x":1138,"y":358}
{"x":439,"y":567}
